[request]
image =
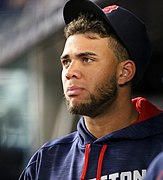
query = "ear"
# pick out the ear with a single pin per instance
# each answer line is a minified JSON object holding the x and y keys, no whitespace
{"x":126,"y":72}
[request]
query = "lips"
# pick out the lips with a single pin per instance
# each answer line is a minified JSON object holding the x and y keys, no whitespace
{"x":74,"y":90}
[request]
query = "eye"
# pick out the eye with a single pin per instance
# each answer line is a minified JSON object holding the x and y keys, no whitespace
{"x":65,"y":62}
{"x":87,"y":59}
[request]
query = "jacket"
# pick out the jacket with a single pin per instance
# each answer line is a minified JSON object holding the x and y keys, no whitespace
{"x":155,"y":170}
{"x":121,"y":155}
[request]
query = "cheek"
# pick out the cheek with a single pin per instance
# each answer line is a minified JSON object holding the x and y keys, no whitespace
{"x":63,"y":79}
{"x":96,"y":80}
{"x":101,"y":77}
{"x":100,"y":74}
{"x":62,"y":76}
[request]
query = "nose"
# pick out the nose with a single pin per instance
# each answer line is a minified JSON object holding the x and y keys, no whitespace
{"x":73,"y":71}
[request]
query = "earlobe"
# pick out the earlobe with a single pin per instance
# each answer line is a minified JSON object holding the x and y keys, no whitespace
{"x":126,"y":72}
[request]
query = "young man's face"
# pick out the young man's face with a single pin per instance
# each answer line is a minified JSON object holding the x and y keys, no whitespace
{"x":89,"y":74}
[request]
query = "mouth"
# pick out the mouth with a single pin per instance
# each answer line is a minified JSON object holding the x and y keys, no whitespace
{"x":74,"y":91}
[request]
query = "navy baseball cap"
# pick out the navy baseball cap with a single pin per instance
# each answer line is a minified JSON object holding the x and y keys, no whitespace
{"x":129,"y":28}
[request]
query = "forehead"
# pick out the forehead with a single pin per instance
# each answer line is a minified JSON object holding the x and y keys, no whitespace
{"x":93,"y":46}
{"x":86,"y":42}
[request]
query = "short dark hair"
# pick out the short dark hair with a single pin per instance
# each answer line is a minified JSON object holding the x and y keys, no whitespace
{"x":87,"y":23}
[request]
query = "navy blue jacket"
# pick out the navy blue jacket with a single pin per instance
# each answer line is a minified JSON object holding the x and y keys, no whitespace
{"x":122,"y":155}
{"x":155,"y":170}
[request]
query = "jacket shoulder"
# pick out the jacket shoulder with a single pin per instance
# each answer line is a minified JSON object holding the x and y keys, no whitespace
{"x":46,"y":152}
{"x":68,"y":139}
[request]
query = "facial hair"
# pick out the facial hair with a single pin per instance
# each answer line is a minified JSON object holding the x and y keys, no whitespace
{"x":103,"y":97}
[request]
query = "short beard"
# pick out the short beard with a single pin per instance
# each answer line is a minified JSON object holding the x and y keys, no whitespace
{"x":105,"y":95}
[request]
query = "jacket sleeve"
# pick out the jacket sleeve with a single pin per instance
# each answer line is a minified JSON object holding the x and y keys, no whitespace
{"x":30,"y":172}
{"x":155,"y":170}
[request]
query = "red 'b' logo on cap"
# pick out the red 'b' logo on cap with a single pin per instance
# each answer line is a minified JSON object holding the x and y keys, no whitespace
{"x":109,"y":9}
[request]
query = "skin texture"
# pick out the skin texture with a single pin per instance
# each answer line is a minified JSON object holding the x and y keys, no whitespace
{"x":97,"y":85}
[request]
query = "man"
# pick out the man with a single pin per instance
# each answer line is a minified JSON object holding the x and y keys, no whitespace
{"x":105,"y":55}
{"x":155,"y":170}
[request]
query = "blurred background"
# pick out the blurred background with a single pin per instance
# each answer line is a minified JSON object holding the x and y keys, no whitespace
{"x":32,"y":107}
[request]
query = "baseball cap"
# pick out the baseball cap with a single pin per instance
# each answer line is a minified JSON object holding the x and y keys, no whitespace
{"x":130,"y":30}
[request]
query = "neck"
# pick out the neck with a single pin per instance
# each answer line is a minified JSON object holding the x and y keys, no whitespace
{"x":120,"y":115}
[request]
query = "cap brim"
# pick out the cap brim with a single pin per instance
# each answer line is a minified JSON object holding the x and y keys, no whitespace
{"x":73,"y":8}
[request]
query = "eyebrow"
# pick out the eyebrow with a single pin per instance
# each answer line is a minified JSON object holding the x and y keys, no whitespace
{"x":64,"y":56}
{"x":86,"y":54}
{"x":79,"y":55}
